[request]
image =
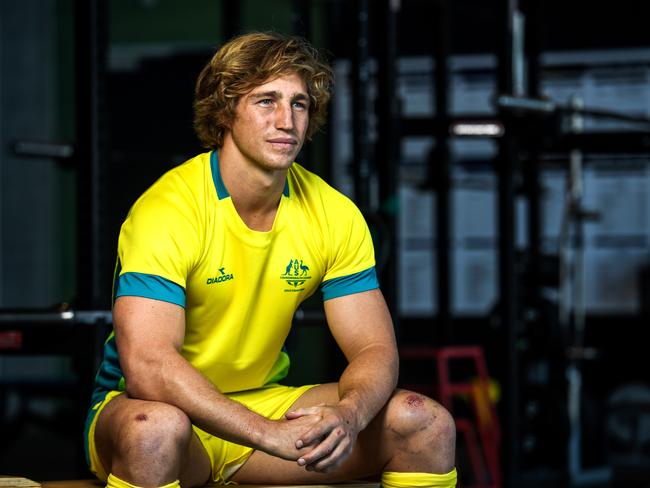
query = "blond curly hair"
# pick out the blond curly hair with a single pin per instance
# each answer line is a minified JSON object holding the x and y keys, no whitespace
{"x":246,"y":62}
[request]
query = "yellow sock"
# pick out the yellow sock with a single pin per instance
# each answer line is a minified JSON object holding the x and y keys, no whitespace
{"x":114,"y":482}
{"x":418,"y":480}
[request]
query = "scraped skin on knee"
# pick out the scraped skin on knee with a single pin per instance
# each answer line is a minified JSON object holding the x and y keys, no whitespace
{"x":415,"y":401}
{"x":424,"y":434}
{"x":149,"y":444}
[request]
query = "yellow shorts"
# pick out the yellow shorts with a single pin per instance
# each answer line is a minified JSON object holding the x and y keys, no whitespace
{"x":271,"y":401}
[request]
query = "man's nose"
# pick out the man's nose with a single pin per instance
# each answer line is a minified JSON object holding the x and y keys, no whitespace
{"x":284,"y":116}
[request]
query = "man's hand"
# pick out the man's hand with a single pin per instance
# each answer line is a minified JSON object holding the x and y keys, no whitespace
{"x":330,"y":440}
{"x":280,"y":438}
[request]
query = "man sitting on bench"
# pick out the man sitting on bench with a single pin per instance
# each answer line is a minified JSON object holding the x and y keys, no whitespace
{"x":213,"y":261}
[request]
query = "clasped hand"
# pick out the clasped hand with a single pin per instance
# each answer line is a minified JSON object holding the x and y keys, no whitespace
{"x":325,"y":436}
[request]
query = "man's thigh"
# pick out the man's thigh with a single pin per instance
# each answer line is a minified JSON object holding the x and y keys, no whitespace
{"x":367,"y":459}
{"x":195,"y":464}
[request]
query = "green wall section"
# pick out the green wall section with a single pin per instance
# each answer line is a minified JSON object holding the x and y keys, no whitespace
{"x":266,"y":15}
{"x":168,"y":21}
{"x":309,"y":348}
{"x":164,"y":21}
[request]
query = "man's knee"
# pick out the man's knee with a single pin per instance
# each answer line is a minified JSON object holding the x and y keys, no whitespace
{"x":154,"y":429}
{"x":414,"y":416}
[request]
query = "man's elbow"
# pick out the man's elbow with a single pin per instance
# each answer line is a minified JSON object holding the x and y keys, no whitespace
{"x":137,"y":389}
{"x":389,"y":354}
{"x":395,"y":369}
{"x":390,"y":357}
{"x":142,"y":381}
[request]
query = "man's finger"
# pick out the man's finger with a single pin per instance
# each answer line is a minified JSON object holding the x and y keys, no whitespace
{"x":322,"y":429}
{"x":301,"y":412}
{"x":314,"y":436}
{"x":324,"y":448}
{"x":334,"y":460}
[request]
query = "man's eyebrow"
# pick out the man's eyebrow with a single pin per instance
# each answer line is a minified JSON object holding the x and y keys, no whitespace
{"x":267,"y":94}
{"x":276,"y":94}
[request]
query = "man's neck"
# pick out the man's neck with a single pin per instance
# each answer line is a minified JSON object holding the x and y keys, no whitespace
{"x":256,"y":193}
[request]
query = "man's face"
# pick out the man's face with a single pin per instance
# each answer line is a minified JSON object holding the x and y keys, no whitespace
{"x":271,"y":122}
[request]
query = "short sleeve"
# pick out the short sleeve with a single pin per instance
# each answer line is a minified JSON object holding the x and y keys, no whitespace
{"x":351,"y":266}
{"x":159,"y":243}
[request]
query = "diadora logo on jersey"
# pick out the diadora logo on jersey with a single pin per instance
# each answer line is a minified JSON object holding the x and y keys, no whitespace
{"x":223,"y":276}
{"x":295,"y":274}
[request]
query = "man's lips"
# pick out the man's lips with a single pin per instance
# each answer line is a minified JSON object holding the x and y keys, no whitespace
{"x":283,"y":140}
{"x":283,"y":143}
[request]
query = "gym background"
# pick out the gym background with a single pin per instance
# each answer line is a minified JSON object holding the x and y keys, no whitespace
{"x":498,"y":148}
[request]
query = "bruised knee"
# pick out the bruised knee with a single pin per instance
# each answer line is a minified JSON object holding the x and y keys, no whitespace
{"x":154,"y":429}
{"x":411,"y":414}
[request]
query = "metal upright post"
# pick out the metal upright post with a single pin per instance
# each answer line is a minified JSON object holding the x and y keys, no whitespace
{"x":340,"y":45}
{"x":441,"y":172}
{"x":361,"y":107}
{"x":387,"y":147}
{"x":573,"y":312}
{"x":506,"y":257}
{"x":93,"y":275}
{"x":532,"y":173}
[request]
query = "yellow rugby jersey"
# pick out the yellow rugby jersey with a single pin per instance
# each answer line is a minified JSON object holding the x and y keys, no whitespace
{"x":183,"y":242}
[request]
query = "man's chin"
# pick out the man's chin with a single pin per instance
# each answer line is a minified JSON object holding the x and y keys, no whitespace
{"x":283,"y":163}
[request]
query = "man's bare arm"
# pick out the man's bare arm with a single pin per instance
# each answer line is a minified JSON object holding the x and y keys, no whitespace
{"x":149,"y":335}
{"x":363,"y":329}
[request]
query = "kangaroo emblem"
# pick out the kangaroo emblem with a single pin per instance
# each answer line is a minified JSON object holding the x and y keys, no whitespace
{"x":295,"y":275}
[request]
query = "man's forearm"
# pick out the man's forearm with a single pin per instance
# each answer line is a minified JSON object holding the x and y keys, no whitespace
{"x":149,"y":336}
{"x":368,"y":382}
{"x":171,"y":379}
